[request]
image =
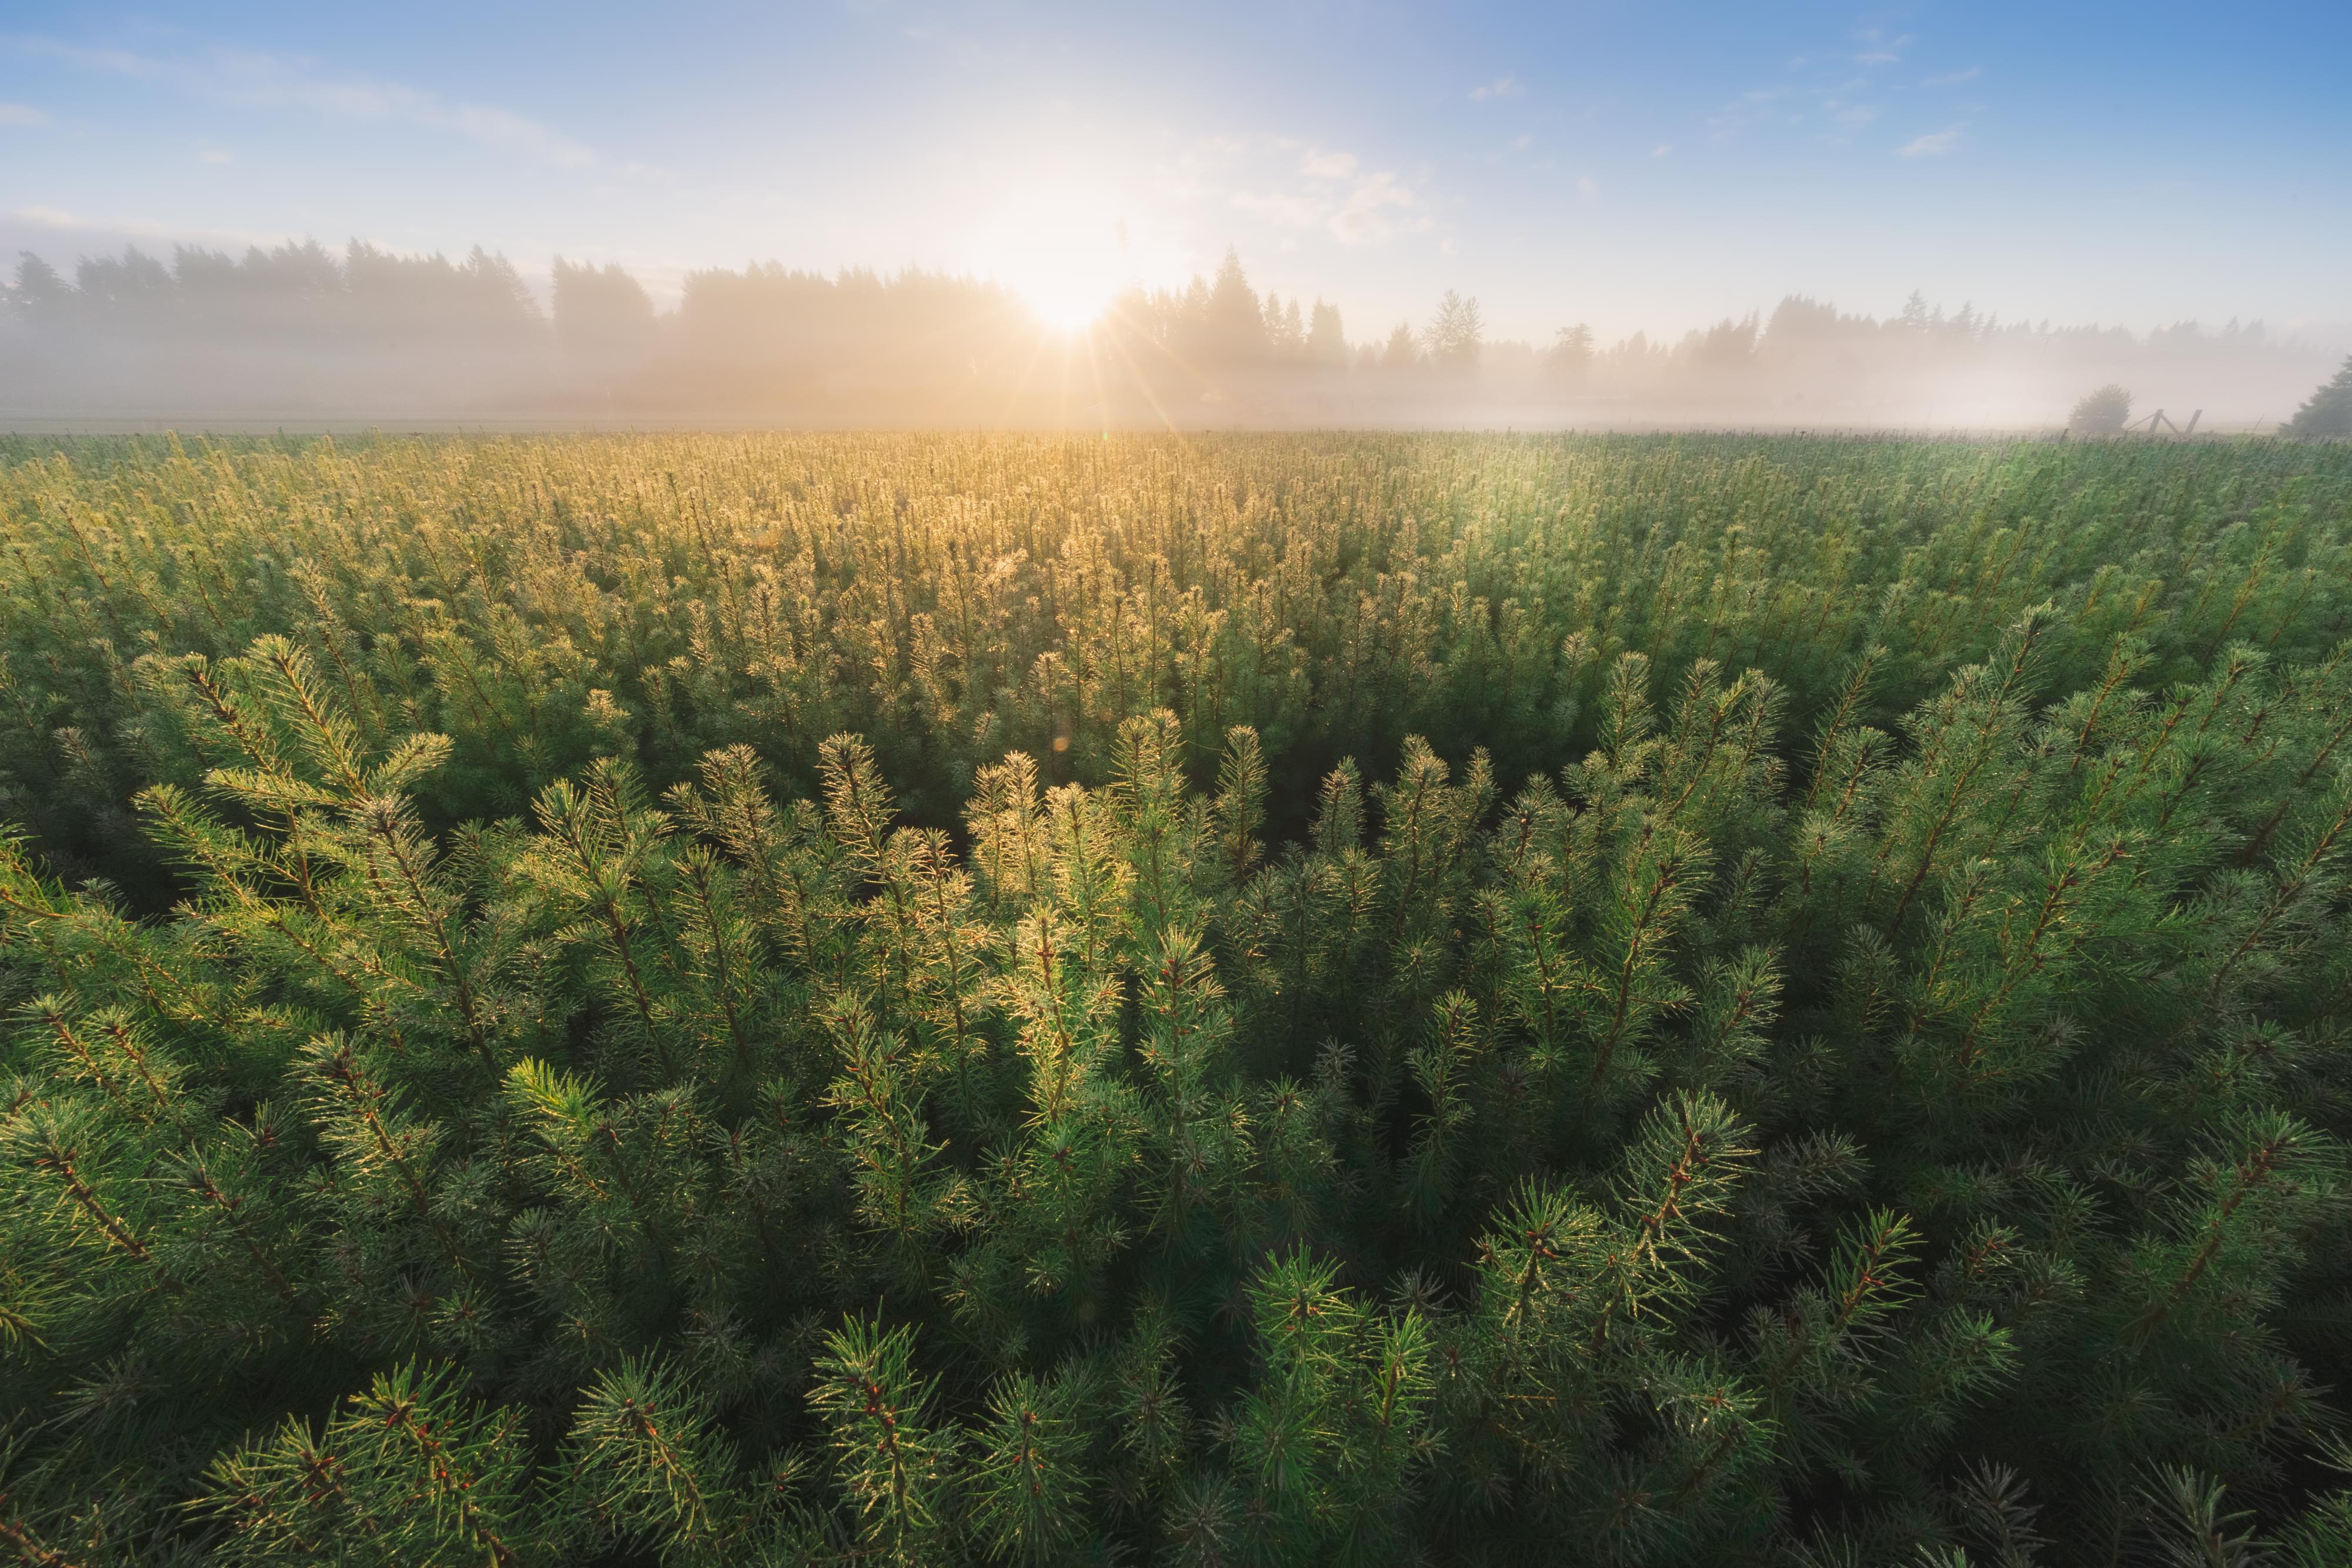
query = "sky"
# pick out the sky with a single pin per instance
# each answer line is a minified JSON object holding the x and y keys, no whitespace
{"x":1630,"y":166}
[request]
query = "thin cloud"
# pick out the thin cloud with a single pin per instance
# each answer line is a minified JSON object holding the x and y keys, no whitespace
{"x":1882,"y":50}
{"x":66,"y":222}
{"x":271,"y":81}
{"x":966,"y":46}
{"x":1586,"y":185}
{"x":1521,"y":142}
{"x":1378,"y":207}
{"x":21,"y":114}
{"x":218,"y":155}
{"x":1297,"y":208}
{"x":1298,"y":185}
{"x":1660,"y":150}
{"x":1953,"y":78}
{"x":1934,"y":144}
{"x":1373,"y":209}
{"x":1506,"y":86}
{"x":1760,"y":107}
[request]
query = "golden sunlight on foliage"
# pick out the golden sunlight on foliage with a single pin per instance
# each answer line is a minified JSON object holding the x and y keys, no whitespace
{"x":828,"y":999}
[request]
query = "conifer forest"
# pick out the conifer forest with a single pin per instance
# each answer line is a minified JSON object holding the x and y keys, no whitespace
{"x":1249,"y":999}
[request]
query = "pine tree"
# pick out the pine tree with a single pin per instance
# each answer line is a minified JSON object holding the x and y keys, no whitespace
{"x":1714,"y":1001}
{"x":2328,"y":412}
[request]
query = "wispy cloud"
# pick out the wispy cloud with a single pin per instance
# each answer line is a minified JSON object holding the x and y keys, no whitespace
{"x":1839,"y":94}
{"x":1299,"y":186}
{"x":218,"y":155}
{"x":21,"y":114}
{"x":1878,"y":50}
{"x":1660,"y":150}
{"x":66,"y":222}
{"x":1749,"y":108}
{"x":254,"y":79}
{"x":1299,"y":209}
{"x":1504,"y":85}
{"x":969,"y":46}
{"x":1521,"y":142}
{"x":1377,"y":207}
{"x":1933,"y":145}
{"x":1586,"y":185}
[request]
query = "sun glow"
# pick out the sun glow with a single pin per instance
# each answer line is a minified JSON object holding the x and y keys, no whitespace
{"x":1066,"y":304}
{"x":1066,"y":257}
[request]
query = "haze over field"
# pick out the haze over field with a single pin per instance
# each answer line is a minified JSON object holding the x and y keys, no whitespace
{"x":880,"y":214}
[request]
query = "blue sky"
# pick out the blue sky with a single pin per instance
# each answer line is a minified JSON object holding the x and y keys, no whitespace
{"x":1629,"y":165}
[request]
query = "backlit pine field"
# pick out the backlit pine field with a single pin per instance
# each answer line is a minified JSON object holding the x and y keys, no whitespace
{"x":1248,"y":1001}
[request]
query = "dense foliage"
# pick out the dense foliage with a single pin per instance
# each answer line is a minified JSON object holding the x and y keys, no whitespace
{"x":932,"y":1000}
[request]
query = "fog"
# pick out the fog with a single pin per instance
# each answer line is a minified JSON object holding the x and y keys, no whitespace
{"x":301,"y":336}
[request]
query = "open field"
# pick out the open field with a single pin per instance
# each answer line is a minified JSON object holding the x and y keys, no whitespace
{"x":1669,"y":999}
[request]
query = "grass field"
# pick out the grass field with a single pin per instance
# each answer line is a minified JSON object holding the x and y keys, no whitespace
{"x":1243,"y":999}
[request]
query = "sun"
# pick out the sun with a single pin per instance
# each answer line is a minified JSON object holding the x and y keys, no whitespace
{"x":1068,"y":304}
{"x":1063,"y":256}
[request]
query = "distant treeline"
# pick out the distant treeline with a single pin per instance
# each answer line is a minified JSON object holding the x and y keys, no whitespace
{"x":301,"y":331}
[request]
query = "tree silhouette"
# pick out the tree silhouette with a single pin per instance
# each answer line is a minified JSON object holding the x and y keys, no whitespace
{"x":2102,"y":412}
{"x":601,"y":313}
{"x":2328,"y":411}
{"x":1326,"y":341}
{"x":1570,"y":355}
{"x":362,"y":331}
{"x":1404,"y":349}
{"x":1457,"y":334}
{"x":1232,"y":325}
